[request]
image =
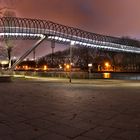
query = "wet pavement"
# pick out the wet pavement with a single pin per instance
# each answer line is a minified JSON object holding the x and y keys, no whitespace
{"x":53,"y":109}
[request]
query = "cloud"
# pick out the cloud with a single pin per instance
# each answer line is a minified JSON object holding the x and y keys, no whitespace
{"x":109,"y":17}
{"x":117,"y":18}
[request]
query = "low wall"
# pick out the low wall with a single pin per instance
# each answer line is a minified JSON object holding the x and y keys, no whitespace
{"x":127,"y":76}
{"x":5,"y":78}
{"x":82,"y":75}
{"x":76,"y":75}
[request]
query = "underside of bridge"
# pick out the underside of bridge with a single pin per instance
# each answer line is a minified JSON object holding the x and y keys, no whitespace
{"x":40,"y":30}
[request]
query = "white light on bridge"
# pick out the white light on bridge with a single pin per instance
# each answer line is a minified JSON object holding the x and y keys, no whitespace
{"x":59,"y":38}
{"x":102,"y":45}
{"x":22,"y":34}
{"x":72,"y":43}
{"x":81,"y":41}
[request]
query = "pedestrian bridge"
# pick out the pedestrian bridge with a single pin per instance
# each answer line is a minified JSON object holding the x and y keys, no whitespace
{"x":23,"y":28}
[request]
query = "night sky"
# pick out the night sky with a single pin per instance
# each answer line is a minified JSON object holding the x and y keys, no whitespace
{"x":108,"y":17}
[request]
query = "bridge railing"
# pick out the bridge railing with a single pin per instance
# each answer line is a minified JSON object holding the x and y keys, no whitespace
{"x":12,"y":27}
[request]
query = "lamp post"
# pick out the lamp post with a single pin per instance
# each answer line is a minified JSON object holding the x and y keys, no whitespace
{"x":52,"y":46}
{"x":107,"y":65}
{"x":89,"y":69}
{"x":72,"y":43}
{"x":34,"y":54}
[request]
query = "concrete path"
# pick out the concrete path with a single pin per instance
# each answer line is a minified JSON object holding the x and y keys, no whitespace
{"x":53,"y":109}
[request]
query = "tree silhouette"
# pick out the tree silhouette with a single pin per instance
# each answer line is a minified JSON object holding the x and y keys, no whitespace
{"x":9,"y":44}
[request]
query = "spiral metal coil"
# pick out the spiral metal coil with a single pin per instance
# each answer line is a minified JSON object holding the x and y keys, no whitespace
{"x":24,"y":28}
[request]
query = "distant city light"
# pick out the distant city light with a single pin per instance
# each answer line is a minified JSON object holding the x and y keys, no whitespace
{"x":107,"y":64}
{"x":45,"y":67}
{"x":90,"y":65}
{"x":68,"y":66}
{"x":60,"y":67}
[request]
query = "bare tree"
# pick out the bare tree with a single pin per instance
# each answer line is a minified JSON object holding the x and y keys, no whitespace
{"x":9,"y":44}
{"x":3,"y":52}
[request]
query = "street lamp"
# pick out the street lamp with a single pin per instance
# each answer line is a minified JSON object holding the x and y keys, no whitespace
{"x":89,"y":69}
{"x":60,"y":67}
{"x":68,"y":67}
{"x":107,"y":65}
{"x":52,"y":46}
{"x":72,"y":43}
{"x":45,"y":67}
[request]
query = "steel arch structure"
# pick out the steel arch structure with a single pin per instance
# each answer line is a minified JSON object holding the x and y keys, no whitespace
{"x":23,"y":28}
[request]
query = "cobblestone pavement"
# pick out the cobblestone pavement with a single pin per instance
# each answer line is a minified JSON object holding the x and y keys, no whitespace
{"x":83,"y":110}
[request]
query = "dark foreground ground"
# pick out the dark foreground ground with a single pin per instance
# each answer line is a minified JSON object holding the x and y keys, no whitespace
{"x":56,"y":110}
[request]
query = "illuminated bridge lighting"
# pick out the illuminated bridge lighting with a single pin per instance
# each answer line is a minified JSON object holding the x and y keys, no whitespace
{"x":18,"y":28}
{"x":113,"y":47}
{"x":21,"y":34}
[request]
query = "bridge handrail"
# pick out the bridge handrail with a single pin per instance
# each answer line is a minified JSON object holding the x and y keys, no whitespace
{"x":27,"y":27}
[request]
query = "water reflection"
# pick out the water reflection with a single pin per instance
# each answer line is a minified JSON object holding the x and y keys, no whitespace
{"x":106,"y":75}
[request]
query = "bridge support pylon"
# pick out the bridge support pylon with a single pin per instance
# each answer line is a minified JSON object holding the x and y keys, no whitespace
{"x":28,"y":52}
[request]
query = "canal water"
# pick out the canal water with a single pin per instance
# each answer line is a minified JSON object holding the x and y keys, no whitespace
{"x":129,"y":76}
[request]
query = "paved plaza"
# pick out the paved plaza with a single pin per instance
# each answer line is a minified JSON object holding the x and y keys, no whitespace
{"x":53,"y":109}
